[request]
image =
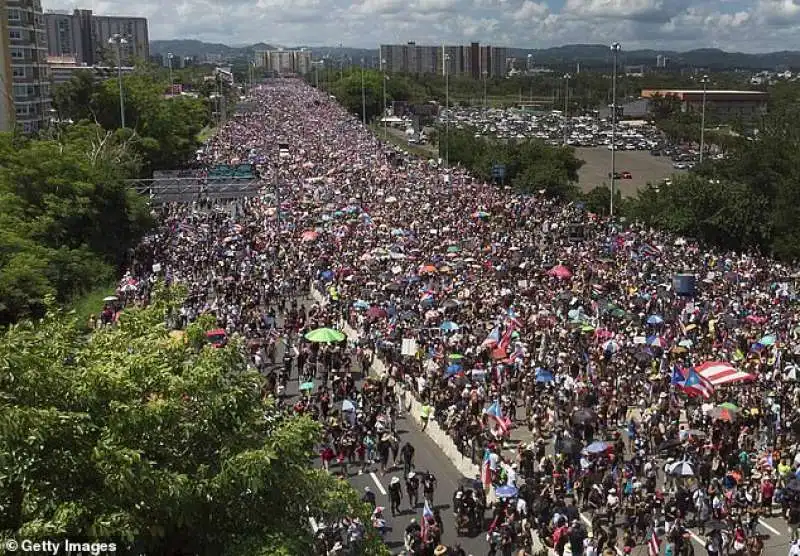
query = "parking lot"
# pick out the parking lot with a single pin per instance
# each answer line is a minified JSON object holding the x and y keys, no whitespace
{"x":643,"y":167}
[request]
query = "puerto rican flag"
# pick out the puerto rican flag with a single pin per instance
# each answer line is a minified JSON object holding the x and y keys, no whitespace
{"x":653,"y":544}
{"x":427,"y":517}
{"x":486,"y":469}
{"x":696,"y":385}
{"x":496,"y":414}
{"x":493,"y":338}
{"x":512,"y":318}
{"x":505,"y":341}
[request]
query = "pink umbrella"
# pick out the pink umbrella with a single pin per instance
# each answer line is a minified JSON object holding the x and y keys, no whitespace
{"x":560,"y":271}
{"x":310,"y":235}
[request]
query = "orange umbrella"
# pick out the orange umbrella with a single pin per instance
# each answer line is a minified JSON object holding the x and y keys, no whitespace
{"x":310,"y":235}
{"x":427,"y":269}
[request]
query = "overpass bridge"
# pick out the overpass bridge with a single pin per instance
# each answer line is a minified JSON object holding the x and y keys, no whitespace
{"x":218,"y":183}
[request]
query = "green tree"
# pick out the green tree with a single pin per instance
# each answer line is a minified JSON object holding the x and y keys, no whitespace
{"x":138,"y":436}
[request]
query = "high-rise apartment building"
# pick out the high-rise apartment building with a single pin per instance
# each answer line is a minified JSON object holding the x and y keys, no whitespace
{"x":25,"y":81}
{"x":472,"y":60}
{"x":284,"y":61}
{"x":84,"y":36}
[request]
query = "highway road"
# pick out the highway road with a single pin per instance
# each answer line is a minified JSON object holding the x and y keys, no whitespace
{"x":429,"y":456}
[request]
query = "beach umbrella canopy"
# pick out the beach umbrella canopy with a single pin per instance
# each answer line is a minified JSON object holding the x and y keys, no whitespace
{"x":768,"y":340}
{"x":506,"y":491}
{"x":597,"y":447}
{"x":681,"y":469}
{"x":376,"y":312}
{"x":655,"y":320}
{"x":324,"y":336}
{"x":724,"y":414}
{"x":560,"y":271}
{"x":583,"y":416}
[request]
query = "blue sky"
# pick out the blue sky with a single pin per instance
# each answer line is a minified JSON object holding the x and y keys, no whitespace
{"x":746,"y":26}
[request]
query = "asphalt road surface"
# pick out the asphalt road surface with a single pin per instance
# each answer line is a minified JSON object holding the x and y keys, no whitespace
{"x":429,"y":457}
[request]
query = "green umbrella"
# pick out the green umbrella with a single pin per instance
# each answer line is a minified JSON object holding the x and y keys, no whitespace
{"x":455,"y":356}
{"x":729,"y":406}
{"x":325,"y":336}
{"x":307,"y":386}
{"x":587,"y":328}
{"x":453,"y":249}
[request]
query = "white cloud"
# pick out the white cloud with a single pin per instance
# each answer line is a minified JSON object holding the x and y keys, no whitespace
{"x":743,"y":25}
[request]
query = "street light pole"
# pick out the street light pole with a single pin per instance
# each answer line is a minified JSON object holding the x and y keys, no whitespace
{"x":119,"y":40}
{"x":383,"y":112}
{"x":363,"y":96}
{"x":169,"y":63}
{"x":566,"y":105}
{"x":703,"y":120}
{"x":447,"y":107}
{"x":615,"y":48}
{"x":485,"y":79}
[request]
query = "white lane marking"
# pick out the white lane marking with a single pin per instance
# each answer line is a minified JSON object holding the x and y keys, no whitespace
{"x":769,"y":527}
{"x":588,"y":522}
{"x":378,"y":483}
{"x":696,"y":538}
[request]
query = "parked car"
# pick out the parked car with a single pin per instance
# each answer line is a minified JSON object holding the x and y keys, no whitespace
{"x":626,"y":175}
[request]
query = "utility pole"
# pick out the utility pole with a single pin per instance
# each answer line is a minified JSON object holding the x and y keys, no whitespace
{"x":615,"y":48}
{"x":447,"y":105}
{"x":119,"y":40}
{"x":566,"y":105}
{"x":363,"y":97}
{"x":383,"y":112}
{"x":703,"y":120}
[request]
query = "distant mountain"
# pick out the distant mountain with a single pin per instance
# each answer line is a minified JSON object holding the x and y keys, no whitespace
{"x":599,"y":55}
{"x":187,"y":47}
{"x":590,"y":56}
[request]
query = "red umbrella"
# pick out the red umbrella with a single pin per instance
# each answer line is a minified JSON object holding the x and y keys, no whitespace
{"x":560,"y":271}
{"x":376,"y":312}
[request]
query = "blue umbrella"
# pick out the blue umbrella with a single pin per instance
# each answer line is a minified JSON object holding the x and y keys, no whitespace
{"x":361,"y":304}
{"x":453,"y":368}
{"x":655,"y":320}
{"x":327,"y":275}
{"x":506,"y":491}
{"x":448,"y":326}
{"x":544,"y":376}
{"x":596,"y":447}
{"x":768,"y":340}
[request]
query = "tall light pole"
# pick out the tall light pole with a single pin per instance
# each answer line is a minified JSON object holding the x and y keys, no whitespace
{"x":615,"y":48}
{"x":704,"y":81}
{"x":383,"y":112}
{"x":447,"y":107}
{"x":363,"y":96}
{"x":169,"y":63}
{"x":485,"y":80}
{"x":119,"y":40}
{"x":566,"y":104}
{"x":341,"y":62}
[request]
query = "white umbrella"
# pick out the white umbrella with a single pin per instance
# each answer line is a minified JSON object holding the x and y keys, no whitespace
{"x":110,"y":298}
{"x":681,"y":469}
{"x":347,"y":405}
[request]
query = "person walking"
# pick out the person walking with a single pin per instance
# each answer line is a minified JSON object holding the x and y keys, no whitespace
{"x":395,"y":495}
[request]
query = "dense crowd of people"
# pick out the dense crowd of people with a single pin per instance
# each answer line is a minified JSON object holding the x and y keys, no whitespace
{"x":555,"y":347}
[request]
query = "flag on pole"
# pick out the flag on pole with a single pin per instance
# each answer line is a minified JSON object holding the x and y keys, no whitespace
{"x":486,"y":469}
{"x":654,"y":544}
{"x":495,"y":413}
{"x":493,"y":338}
{"x":427,"y":517}
{"x":696,"y":385}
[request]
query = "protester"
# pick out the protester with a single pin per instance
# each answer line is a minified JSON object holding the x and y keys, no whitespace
{"x":607,"y":350}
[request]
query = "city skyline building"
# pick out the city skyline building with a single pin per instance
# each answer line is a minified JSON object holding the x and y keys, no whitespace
{"x":26,"y":100}
{"x":473,"y":60}
{"x":283,"y":61}
{"x":84,"y":36}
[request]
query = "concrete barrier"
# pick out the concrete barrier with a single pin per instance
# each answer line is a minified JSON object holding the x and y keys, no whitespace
{"x":463,"y":464}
